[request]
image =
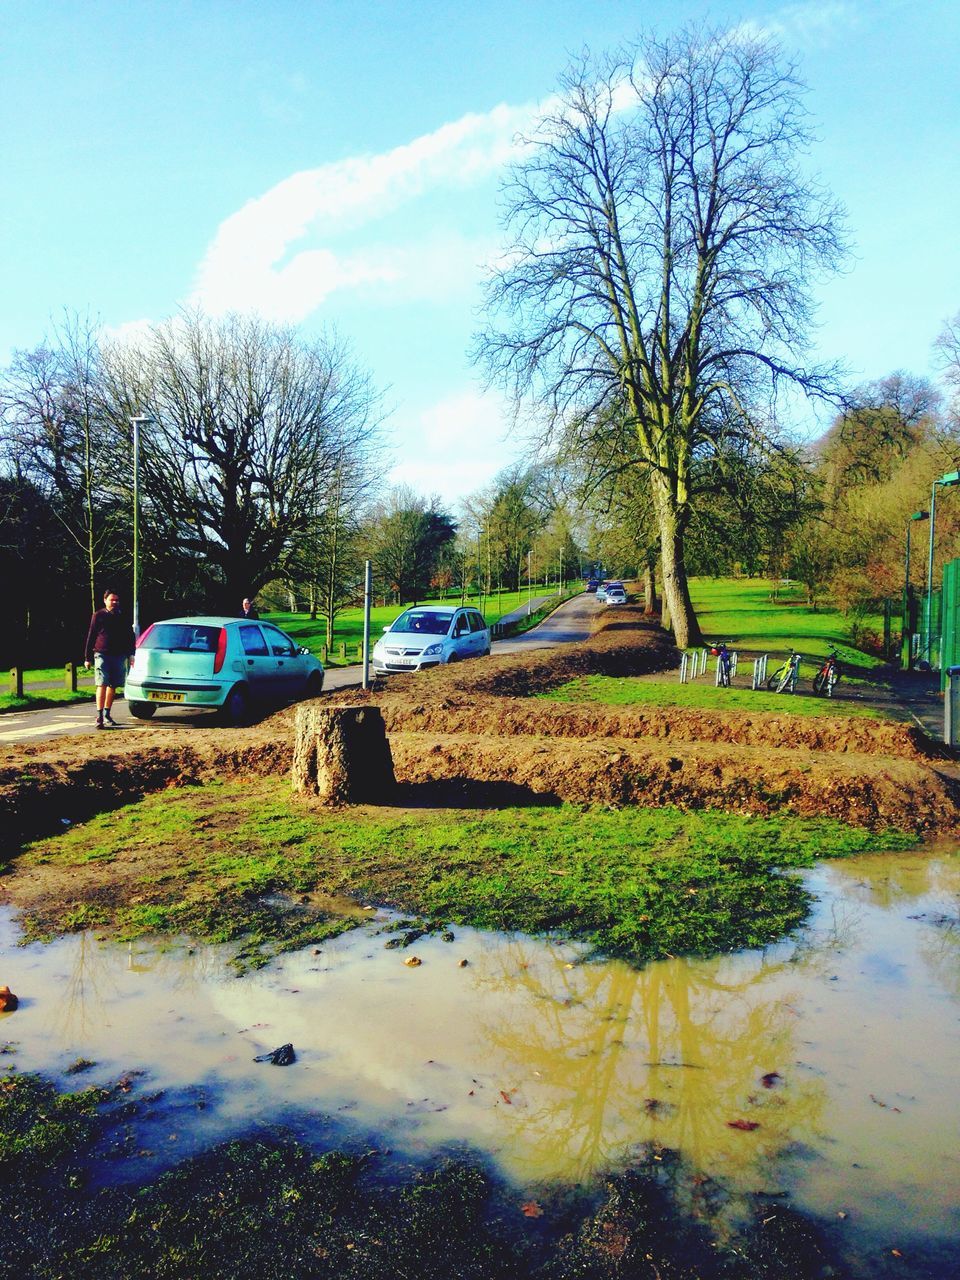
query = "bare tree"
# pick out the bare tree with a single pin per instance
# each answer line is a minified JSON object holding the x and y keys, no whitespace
{"x":58,"y":437}
{"x":251,"y":425}
{"x":665,"y":242}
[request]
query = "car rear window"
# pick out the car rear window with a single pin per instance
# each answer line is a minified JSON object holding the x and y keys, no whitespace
{"x":181,"y":637}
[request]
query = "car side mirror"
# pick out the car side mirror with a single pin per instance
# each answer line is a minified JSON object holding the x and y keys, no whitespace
{"x":387,"y":627}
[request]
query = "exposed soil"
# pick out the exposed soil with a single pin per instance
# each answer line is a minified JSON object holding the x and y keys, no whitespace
{"x":475,"y":725}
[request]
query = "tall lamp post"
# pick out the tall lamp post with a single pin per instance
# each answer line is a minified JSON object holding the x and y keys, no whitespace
{"x":906,"y":636}
{"x":946,"y":482}
{"x":140,"y":421}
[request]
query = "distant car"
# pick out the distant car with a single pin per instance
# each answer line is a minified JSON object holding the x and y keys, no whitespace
{"x":616,"y":594}
{"x":591,"y":585}
{"x":220,"y":663}
{"x":428,"y":635}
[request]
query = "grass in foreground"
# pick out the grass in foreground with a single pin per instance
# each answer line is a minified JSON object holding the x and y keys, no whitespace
{"x":272,"y":1207}
{"x":631,"y":691}
{"x":637,"y":883}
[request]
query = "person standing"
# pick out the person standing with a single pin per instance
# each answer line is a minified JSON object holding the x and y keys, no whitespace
{"x":109,"y":645}
{"x":249,"y":609}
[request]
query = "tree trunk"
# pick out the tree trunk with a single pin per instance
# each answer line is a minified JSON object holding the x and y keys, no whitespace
{"x":650,"y":602}
{"x":676,"y":591}
{"x":341,"y":755}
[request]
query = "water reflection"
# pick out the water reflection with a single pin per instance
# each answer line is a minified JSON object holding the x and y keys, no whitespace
{"x":826,"y":1065}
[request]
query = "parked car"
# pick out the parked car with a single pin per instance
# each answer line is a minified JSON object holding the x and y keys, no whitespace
{"x":428,"y":635}
{"x":591,"y":585}
{"x":220,"y":663}
{"x":615,"y":594}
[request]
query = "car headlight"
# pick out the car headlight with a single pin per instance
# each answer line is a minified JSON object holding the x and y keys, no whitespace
{"x":432,"y":650}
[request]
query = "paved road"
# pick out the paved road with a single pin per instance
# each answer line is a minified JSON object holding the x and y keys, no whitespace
{"x":569,"y":624}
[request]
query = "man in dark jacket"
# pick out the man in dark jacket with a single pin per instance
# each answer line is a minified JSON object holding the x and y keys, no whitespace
{"x":109,"y":645}
{"x":249,"y":609}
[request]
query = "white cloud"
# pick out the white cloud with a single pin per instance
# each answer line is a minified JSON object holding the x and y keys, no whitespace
{"x":244,"y":268}
{"x":456,"y":446}
{"x":804,"y":24}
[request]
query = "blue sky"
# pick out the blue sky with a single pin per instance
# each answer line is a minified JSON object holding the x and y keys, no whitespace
{"x":336,"y":164}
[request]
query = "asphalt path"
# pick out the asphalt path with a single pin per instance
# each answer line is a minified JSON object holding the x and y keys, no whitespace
{"x":571,"y":623}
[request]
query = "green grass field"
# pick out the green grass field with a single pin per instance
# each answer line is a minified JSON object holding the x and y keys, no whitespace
{"x":629,"y":691}
{"x":46,"y":698}
{"x":349,"y":624}
{"x":743,"y":612}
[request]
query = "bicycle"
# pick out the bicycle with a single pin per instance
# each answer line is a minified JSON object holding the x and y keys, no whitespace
{"x":828,"y":675}
{"x":722,"y":654}
{"x":784,"y":679}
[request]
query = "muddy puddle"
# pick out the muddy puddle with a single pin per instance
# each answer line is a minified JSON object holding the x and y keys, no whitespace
{"x":825,"y":1067}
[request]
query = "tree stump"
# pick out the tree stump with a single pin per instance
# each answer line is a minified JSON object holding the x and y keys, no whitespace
{"x":342,"y":756}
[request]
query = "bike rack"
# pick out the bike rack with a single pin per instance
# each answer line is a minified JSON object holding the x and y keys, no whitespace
{"x":760,"y":671}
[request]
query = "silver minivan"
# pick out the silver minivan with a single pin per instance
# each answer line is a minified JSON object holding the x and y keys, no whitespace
{"x":428,"y":635}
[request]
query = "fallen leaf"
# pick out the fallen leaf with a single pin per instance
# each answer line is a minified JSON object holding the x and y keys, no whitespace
{"x":770,"y":1079}
{"x":412,"y":961}
{"x":896,"y":1253}
{"x":531,"y":1209}
{"x":746,"y":1125}
{"x":506,"y":1097}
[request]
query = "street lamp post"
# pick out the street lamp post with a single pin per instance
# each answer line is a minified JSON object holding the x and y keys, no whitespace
{"x":946,"y":482}
{"x":906,"y":635}
{"x":140,"y":421}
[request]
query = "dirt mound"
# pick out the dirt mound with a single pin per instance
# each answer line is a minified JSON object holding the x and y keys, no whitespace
{"x":511,"y":716}
{"x":475,"y":726}
{"x":869,"y":791}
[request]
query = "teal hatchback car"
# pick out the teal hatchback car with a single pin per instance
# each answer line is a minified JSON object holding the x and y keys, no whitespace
{"x":225,"y":664}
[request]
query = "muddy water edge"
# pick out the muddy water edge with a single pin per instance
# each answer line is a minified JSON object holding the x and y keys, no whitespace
{"x":596,"y":1112}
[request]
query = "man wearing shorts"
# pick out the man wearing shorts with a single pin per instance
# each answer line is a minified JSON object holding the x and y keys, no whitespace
{"x":109,"y":645}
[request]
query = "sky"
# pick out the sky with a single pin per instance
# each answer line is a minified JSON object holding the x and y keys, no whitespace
{"x":337,"y":166}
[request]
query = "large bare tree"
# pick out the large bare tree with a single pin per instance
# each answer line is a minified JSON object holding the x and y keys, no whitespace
{"x":665,"y":243}
{"x":251,"y":427}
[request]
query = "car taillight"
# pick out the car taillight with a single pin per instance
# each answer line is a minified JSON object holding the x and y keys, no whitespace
{"x":221,"y":650}
{"x":145,"y":634}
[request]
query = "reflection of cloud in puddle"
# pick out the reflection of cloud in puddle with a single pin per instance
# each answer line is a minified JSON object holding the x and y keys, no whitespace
{"x":560,"y":1068}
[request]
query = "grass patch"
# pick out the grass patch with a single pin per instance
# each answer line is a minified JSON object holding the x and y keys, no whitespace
{"x":637,"y":883}
{"x":37,"y":701}
{"x":632,"y":691}
{"x":744,"y":612}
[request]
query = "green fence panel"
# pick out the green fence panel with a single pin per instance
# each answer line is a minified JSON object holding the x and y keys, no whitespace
{"x":949,"y":655}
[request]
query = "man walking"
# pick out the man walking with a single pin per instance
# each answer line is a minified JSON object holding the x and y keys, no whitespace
{"x":109,"y":645}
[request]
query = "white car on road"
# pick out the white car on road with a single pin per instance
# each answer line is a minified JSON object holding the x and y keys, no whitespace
{"x":428,"y":635}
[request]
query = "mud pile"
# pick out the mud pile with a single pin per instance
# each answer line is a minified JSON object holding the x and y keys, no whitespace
{"x":477,"y":726}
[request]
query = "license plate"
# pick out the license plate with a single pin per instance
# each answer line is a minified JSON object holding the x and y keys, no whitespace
{"x":402,"y":662}
{"x":155,"y":695}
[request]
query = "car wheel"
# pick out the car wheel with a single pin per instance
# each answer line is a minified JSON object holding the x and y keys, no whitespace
{"x":236,"y":706}
{"x":314,"y":685}
{"x":454,"y":657}
{"x":142,"y":710}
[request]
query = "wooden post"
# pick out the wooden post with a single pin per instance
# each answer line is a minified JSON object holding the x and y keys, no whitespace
{"x":342,"y":650}
{"x":70,"y":677}
{"x":16,"y":681}
{"x":341,"y":755}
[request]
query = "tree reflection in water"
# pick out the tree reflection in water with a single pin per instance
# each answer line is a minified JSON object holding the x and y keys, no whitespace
{"x":670,"y":1054}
